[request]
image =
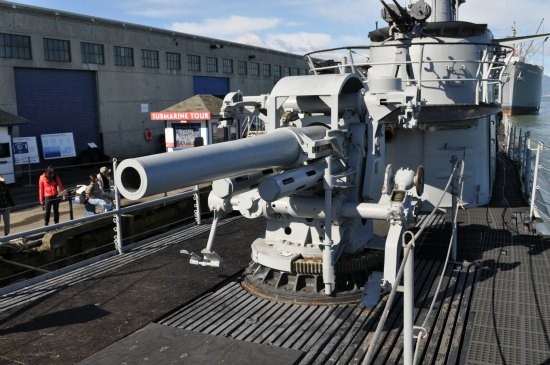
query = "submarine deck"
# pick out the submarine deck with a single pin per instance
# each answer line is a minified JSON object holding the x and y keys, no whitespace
{"x":149,"y":306}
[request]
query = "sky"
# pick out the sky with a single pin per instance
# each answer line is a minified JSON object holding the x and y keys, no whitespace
{"x":297,"y":26}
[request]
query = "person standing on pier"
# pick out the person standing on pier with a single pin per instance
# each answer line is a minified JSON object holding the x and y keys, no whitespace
{"x":49,"y":189}
{"x":6,"y":202}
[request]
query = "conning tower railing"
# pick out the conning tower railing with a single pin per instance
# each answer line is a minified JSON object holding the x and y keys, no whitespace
{"x":489,"y":70}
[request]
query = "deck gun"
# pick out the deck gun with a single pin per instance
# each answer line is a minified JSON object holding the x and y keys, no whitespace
{"x":317,"y":175}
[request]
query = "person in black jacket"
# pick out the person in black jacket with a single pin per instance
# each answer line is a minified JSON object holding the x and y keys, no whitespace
{"x":6,"y":202}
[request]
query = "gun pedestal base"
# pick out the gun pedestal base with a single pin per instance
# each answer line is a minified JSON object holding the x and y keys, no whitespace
{"x":305,"y":285}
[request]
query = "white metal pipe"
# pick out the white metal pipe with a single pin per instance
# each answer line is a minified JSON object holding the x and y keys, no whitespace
{"x":408,"y":307}
{"x":535,"y":178}
{"x":213,"y":229}
{"x":454,"y":205}
{"x":197,"y":199}
{"x":313,"y":207}
{"x":328,"y":262}
{"x":118,"y":217}
{"x":365,"y":210}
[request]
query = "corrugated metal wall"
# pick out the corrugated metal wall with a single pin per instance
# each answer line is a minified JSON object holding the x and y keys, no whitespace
{"x":58,"y":101}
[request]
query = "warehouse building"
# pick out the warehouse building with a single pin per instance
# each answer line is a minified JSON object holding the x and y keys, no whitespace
{"x":99,"y":79}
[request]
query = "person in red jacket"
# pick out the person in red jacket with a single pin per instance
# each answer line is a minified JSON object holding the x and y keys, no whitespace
{"x":49,"y":189}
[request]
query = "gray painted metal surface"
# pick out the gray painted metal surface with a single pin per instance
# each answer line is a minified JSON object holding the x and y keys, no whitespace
{"x":155,"y":174}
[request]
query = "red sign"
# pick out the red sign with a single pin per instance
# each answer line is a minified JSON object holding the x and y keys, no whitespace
{"x":180,"y":115}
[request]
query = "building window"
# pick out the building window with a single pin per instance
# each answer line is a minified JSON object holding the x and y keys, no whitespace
{"x":92,"y":53}
{"x":295,"y":71}
{"x":193,"y":63}
{"x":276,"y":72}
{"x":173,"y":61}
{"x":124,"y":56}
{"x":227,"y":66}
{"x":57,"y":50}
{"x":150,"y":58}
{"x":267,"y":70}
{"x":242,"y":68}
{"x":286,"y":71}
{"x":15,"y":46}
{"x":254,"y":69}
{"x":211,"y":64}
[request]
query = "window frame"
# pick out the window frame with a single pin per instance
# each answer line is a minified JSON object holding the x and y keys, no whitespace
{"x":56,"y":50}
{"x":254,"y":69}
{"x":149,"y":58}
{"x":123,"y":59}
{"x":276,"y":72}
{"x":92,"y":53}
{"x":193,"y":62}
{"x":266,"y":70}
{"x":173,"y":64}
{"x":211,"y":64}
{"x":227,"y":65}
{"x":242,"y":67}
{"x":15,"y":46}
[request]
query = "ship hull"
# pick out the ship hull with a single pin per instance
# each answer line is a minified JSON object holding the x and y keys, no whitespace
{"x":522,"y":92}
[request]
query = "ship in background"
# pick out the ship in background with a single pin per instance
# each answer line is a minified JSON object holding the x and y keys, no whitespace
{"x":522,"y":89}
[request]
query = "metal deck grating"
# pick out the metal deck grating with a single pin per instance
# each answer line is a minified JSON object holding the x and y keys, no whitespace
{"x":495,"y":310}
{"x":494,"y":307}
{"x":331,"y":334}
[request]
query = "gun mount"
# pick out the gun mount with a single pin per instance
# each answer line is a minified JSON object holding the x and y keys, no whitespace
{"x":317,"y":176}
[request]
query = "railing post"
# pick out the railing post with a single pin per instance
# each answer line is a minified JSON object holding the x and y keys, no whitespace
{"x":197,"y":199}
{"x":408,"y":306}
{"x":509,"y":152}
{"x":454,"y":202}
{"x":328,"y":249}
{"x":517,"y":136}
{"x":525,"y":160}
{"x":528,"y":185}
{"x":540,"y":147}
{"x":117,"y":217}
{"x":520,"y":150}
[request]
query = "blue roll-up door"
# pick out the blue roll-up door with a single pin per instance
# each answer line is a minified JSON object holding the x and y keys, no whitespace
{"x":58,"y":101}
{"x":217,"y":86}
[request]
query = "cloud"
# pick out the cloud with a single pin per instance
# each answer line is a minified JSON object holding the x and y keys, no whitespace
{"x":301,"y":42}
{"x":250,"y":39}
{"x":233,"y":26}
{"x":526,"y":13}
{"x":160,"y":9}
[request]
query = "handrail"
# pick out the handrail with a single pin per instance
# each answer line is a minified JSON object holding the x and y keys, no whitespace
{"x":489,"y":71}
{"x":483,"y":60}
{"x":408,"y":248}
{"x":122,"y":210}
{"x":531,"y":168}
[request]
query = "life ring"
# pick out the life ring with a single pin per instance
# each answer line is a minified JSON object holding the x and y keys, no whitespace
{"x":148,"y":135}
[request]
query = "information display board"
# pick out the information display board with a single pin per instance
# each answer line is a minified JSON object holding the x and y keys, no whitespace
{"x":58,"y":145}
{"x":25,"y":150}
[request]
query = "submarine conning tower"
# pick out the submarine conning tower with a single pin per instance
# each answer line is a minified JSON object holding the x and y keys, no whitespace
{"x":433,"y":83}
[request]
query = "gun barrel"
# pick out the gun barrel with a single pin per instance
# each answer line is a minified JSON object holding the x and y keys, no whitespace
{"x":143,"y":176}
